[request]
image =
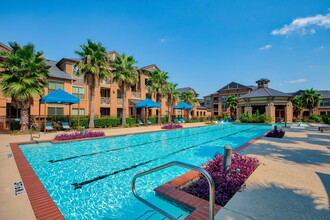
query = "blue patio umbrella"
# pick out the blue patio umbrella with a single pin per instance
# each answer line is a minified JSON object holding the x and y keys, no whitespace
{"x":147,"y":103}
{"x":183,"y":105}
{"x":59,"y":96}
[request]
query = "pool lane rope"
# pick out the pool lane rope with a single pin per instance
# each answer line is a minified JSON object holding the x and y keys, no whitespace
{"x":81,"y":184}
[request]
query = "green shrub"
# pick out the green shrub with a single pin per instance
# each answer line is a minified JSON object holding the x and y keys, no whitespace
{"x":153,"y":120}
{"x":315,"y":118}
{"x":325,"y":118}
{"x":164,"y":120}
{"x":194,"y":119}
{"x":255,"y":118}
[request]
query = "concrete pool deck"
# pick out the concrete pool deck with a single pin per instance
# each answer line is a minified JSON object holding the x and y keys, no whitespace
{"x":293,"y":181}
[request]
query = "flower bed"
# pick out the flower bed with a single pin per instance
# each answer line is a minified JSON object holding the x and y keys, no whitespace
{"x":172,"y":126}
{"x":78,"y":135}
{"x":226,"y":184}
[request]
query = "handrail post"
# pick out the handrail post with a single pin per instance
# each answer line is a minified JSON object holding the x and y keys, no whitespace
{"x":177,"y":163}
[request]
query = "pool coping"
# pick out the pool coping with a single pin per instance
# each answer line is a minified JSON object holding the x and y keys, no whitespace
{"x":42,"y":204}
{"x":201,"y":206}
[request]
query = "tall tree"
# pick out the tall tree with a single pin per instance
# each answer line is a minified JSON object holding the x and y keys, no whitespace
{"x":172,"y":95}
{"x":298,"y":106}
{"x":126,"y":76}
{"x":157,"y":85}
{"x":94,"y":67}
{"x":24,"y":73}
{"x":311,"y":99}
{"x":231,"y":103}
{"x":189,"y":98}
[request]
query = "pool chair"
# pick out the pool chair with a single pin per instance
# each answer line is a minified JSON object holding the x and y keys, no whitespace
{"x":325,"y":129}
{"x":140,"y":122}
{"x":182,"y":120}
{"x":177,"y":121}
{"x":219,"y":122}
{"x":49,"y":127}
{"x":66,"y":126}
{"x":149,"y":122}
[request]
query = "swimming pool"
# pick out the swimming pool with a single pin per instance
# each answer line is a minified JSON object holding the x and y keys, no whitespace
{"x":91,"y":179}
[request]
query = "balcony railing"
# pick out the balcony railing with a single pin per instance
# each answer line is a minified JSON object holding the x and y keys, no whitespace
{"x":119,"y":101}
{"x":105,"y":100}
{"x":136,"y":95}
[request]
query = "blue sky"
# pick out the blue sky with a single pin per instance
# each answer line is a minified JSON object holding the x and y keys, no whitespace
{"x":202,"y":44}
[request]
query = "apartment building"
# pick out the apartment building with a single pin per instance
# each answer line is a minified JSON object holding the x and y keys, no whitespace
{"x":199,"y":110}
{"x":215,"y":103}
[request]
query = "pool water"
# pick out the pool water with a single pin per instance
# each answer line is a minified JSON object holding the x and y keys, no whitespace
{"x":294,"y":124}
{"x":91,"y":179}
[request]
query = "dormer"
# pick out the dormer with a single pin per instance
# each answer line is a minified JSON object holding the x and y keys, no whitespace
{"x":112,"y":55}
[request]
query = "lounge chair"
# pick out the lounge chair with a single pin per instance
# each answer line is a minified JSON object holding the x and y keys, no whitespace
{"x":219,"y":122}
{"x":140,"y":122}
{"x":149,"y":122}
{"x":49,"y":127}
{"x":323,"y":127}
{"x":182,"y":120}
{"x":66,"y":126}
{"x":177,"y":121}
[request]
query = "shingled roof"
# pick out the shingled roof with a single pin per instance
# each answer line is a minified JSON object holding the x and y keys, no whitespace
{"x":265,"y":92}
{"x":188,"y":89}
{"x":235,"y":85}
{"x":325,"y":93}
{"x":56,"y":71}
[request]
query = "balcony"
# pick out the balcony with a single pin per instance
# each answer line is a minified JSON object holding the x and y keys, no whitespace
{"x":119,"y":101}
{"x":136,"y":95}
{"x":105,"y":100}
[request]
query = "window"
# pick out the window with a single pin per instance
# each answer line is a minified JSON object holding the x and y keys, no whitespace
{"x":119,"y":95}
{"x":325,"y":103}
{"x":224,"y":98}
{"x":208,"y":106}
{"x":223,"y":106}
{"x":323,"y":113}
{"x":79,"y":92}
{"x":75,"y":111}
{"x":74,"y":70}
{"x":215,"y":107}
{"x":53,"y":85}
{"x":105,"y":111}
{"x":208,"y":99}
{"x":55,"y":111}
{"x":215,"y":99}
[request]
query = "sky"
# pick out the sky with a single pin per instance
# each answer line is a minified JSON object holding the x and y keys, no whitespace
{"x":202,"y":44}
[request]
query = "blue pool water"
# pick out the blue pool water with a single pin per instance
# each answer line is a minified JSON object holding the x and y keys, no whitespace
{"x":294,"y":124}
{"x":91,"y":179}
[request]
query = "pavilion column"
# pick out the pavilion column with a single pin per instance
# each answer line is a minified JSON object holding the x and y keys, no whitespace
{"x":238,"y":112}
{"x":288,"y":113}
{"x":248,"y":110}
{"x":270,"y":111}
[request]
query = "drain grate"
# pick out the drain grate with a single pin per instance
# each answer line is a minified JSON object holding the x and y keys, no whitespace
{"x":19,"y":188}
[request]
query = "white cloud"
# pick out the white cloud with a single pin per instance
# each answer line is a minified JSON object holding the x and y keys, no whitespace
{"x":267,"y":47}
{"x":304,"y":25}
{"x":298,"y":81}
{"x":163,"y":40}
{"x":321,"y":48}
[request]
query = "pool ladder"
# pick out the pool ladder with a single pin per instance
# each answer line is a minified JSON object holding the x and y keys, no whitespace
{"x":177,"y":163}
{"x":31,"y":135}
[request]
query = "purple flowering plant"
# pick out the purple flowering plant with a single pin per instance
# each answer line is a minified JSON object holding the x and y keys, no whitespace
{"x":78,"y":135}
{"x":226,"y":183}
{"x":171,"y":126}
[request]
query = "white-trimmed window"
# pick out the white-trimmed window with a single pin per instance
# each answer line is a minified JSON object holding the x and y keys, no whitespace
{"x":79,"y":92}
{"x":75,"y":111}
{"x":53,"y":85}
{"x":55,"y":111}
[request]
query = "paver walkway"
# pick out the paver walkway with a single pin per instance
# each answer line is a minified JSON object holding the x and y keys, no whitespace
{"x":293,"y":181}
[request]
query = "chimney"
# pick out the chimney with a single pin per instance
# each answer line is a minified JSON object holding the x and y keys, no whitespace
{"x":263,"y":83}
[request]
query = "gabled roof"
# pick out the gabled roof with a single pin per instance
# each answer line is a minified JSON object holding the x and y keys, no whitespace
{"x":233,"y":85}
{"x":5,"y":47}
{"x":74,"y":60}
{"x":150,"y":68}
{"x":188,"y":89}
{"x":263,"y":80}
{"x":265,"y":92}
{"x":325,"y":93}
{"x":56,"y":71}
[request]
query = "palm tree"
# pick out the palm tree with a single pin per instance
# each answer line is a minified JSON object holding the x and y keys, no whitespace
{"x":24,"y":73}
{"x":172,"y":95}
{"x":189,"y":98}
{"x":311,"y":99}
{"x":298,"y":105}
{"x":93,"y":66}
{"x":126,"y":76}
{"x":231,"y":103}
{"x":157,"y":85}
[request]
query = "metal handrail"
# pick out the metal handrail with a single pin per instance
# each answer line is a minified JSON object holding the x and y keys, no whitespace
{"x":196,"y":168}
{"x":31,"y":132}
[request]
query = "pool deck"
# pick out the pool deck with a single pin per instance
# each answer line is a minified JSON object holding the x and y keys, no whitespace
{"x":293,"y":181}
